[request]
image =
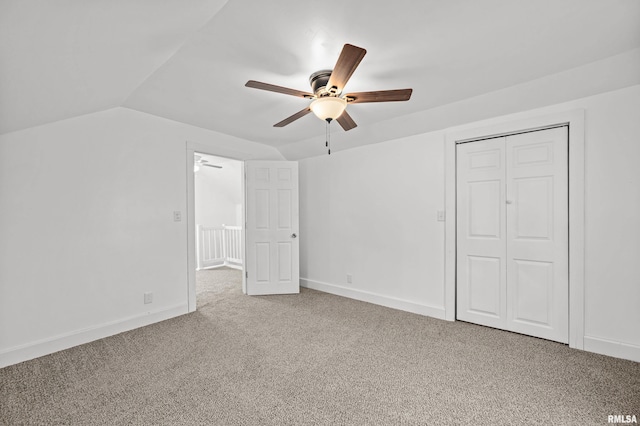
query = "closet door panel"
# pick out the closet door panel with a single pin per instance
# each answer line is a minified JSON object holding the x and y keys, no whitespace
{"x":537,"y":234}
{"x":481,"y":236}
{"x":512,"y":233}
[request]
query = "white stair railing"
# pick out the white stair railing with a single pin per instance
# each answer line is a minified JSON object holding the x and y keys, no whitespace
{"x":218,"y":246}
{"x":233,"y":245}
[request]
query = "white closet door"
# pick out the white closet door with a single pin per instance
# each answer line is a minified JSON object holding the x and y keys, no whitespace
{"x":538,"y":234}
{"x":512,"y":233}
{"x":481,"y":233}
{"x":272,"y":248}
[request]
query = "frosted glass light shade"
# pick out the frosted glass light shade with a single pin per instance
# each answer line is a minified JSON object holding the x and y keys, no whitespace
{"x":328,"y":107}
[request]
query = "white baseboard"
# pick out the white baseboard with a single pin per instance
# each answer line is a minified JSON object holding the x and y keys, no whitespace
{"x":207,"y":268}
{"x":376,"y":299}
{"x":228,"y":265}
{"x":68,"y":340}
{"x":611,"y":348}
{"x":210,"y":265}
{"x":233,"y":266}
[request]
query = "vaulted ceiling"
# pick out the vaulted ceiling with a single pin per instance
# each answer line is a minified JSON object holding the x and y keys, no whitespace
{"x":188,"y":61}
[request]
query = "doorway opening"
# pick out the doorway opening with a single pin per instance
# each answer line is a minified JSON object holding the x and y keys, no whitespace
{"x":218,"y":211}
{"x":217,"y":229}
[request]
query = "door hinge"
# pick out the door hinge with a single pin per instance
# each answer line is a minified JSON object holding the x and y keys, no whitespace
{"x":246,"y":274}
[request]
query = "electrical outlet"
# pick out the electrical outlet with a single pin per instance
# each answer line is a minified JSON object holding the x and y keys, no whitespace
{"x":441,"y":216}
{"x":177,"y":216}
{"x":148,"y":298}
{"x":349,"y":278}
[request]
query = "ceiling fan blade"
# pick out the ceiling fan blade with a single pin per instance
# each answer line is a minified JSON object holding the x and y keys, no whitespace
{"x":379,"y":96}
{"x":211,"y":165}
{"x":278,"y":89}
{"x":347,"y":63}
{"x":293,"y":118}
{"x":346,"y":121}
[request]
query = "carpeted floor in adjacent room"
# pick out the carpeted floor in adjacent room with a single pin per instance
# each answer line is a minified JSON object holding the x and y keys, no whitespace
{"x":315,"y":359}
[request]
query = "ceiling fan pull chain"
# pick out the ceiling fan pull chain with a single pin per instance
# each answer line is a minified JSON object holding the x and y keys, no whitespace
{"x":328,"y":136}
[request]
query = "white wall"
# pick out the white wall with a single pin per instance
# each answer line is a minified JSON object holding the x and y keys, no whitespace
{"x":218,"y":194}
{"x":371,"y":211}
{"x":86,"y":226}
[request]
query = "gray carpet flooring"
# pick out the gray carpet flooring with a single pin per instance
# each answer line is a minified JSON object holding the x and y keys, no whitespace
{"x":315,"y":359}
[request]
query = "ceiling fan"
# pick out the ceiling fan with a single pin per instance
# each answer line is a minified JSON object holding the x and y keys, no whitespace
{"x":328,"y":101}
{"x":198,"y":161}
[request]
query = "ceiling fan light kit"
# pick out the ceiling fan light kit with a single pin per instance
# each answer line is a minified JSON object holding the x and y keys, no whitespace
{"x":328,"y":107}
{"x":328,"y":103}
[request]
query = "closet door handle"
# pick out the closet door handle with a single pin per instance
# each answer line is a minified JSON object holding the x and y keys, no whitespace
{"x":294,"y":236}
{"x":509,"y":202}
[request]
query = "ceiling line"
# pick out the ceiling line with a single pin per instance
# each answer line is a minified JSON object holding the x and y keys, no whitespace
{"x":185,"y":41}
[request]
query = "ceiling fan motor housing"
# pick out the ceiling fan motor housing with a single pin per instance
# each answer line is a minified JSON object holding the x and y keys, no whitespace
{"x":318,"y":81}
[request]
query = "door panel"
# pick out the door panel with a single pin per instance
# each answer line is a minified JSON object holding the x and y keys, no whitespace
{"x":485,"y":203}
{"x":538,"y":233}
{"x":533,"y":208}
{"x":284,"y":209}
{"x":532,"y":288}
{"x":272,"y":227}
{"x":284,"y":259}
{"x":512,"y":233}
{"x":481,"y":244}
{"x":261,"y":209}
{"x":483,"y":282}
{"x":262,"y":261}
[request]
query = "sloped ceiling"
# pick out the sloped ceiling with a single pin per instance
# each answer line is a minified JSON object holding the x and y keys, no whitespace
{"x":63,"y":58}
{"x":189,"y":60}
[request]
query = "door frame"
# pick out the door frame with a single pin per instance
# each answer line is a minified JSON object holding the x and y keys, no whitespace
{"x":192,"y":148}
{"x":502,"y":127}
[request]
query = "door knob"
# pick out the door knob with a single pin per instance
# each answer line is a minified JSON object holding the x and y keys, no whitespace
{"x":293,"y":235}
{"x":509,"y":202}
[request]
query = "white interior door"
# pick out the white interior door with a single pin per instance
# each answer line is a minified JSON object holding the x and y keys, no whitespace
{"x":481,"y":233}
{"x":272,"y":248}
{"x":512,"y":233}
{"x":538,"y":234}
